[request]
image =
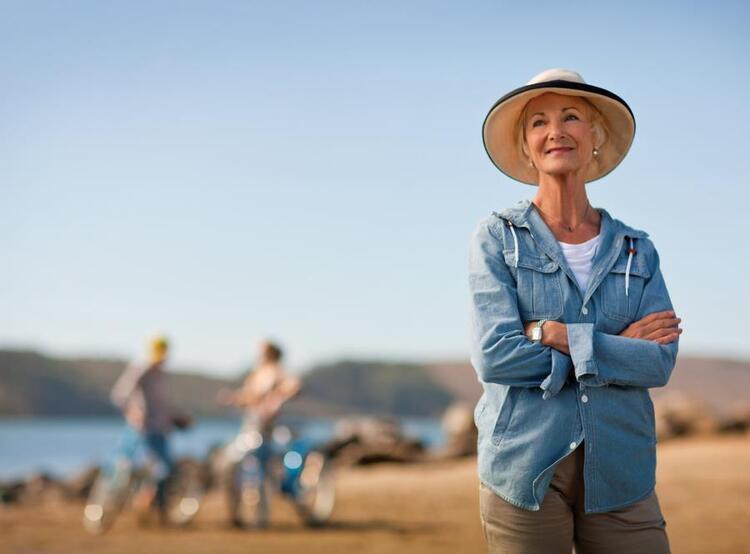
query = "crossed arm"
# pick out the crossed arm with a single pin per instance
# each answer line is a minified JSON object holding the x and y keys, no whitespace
{"x":659,"y":327}
{"x":642,"y":355}
{"x":265,"y":403}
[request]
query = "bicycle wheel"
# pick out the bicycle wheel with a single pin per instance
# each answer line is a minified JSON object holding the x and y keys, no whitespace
{"x":316,"y":489}
{"x":108,"y":496}
{"x":185,"y":490}
{"x":248,"y":493}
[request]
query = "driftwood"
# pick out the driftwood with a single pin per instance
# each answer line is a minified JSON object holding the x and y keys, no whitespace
{"x":38,"y":487}
{"x":679,"y":415}
{"x":35,"y":488}
{"x":367,"y":440}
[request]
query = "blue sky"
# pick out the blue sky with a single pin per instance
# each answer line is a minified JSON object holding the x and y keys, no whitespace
{"x":312,"y":171}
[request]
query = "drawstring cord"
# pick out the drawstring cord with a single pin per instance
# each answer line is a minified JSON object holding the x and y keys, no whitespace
{"x":631,"y":251}
{"x":515,"y":243}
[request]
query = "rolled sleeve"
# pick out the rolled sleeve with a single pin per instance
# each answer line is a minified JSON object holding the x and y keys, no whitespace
{"x":501,"y":352}
{"x":581,"y":346}
{"x":602,"y":359}
{"x":555,"y":381}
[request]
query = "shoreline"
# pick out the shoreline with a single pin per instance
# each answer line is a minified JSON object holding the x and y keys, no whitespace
{"x":63,"y":448}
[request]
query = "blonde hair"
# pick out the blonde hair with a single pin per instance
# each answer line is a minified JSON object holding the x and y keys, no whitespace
{"x":598,"y":128}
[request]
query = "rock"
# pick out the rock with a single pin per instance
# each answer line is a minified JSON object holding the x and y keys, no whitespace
{"x":39,"y":487}
{"x":367,"y":440}
{"x":736,"y":420}
{"x":678,"y":415}
{"x":459,"y":430}
{"x":11,"y":492}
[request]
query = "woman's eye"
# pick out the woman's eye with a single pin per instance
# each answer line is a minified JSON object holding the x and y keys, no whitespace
{"x":537,"y":123}
{"x":571,"y":116}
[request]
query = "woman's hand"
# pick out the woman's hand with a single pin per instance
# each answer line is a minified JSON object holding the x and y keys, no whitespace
{"x":661,"y":327}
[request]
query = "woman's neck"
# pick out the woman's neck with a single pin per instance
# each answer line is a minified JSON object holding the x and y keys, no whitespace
{"x":564,"y":205}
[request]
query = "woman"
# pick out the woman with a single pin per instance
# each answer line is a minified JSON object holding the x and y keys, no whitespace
{"x":572,"y":324}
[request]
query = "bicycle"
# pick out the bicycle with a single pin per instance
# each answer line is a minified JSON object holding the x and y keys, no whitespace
{"x":124,"y":480}
{"x":293,"y":467}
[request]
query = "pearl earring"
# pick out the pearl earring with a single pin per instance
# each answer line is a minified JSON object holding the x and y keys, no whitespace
{"x":596,"y":152}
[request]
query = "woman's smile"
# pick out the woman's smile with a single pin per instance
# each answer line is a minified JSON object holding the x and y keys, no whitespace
{"x":559,"y":150}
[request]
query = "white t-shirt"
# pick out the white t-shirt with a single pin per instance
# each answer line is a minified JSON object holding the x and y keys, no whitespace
{"x":580,"y":258}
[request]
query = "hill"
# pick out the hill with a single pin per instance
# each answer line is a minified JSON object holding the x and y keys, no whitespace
{"x":376,"y":388}
{"x":720,"y":384}
{"x":36,"y":385}
{"x":32,"y":384}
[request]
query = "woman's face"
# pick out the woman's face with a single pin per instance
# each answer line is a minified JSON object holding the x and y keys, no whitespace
{"x":559,"y":133}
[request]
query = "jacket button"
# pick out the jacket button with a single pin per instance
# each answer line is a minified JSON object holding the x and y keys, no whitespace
{"x":584,"y":398}
{"x":584,"y":310}
{"x":572,"y":446}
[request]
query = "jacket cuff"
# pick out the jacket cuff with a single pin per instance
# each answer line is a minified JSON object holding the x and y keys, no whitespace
{"x":554,"y":382}
{"x":581,"y":346}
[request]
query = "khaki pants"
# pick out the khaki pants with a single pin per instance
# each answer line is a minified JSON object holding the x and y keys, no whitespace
{"x":561,"y":521}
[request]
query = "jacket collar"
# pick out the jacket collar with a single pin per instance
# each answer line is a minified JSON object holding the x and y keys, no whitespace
{"x":612,"y":231}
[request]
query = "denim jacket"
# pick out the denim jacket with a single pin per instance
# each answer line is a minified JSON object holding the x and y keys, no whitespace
{"x":539,"y":404}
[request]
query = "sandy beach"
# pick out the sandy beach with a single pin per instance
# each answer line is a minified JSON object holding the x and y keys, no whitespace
{"x":703,"y":485}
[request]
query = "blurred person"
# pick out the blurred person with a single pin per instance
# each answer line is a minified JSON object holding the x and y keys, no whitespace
{"x":264,"y":391}
{"x":266,"y":388}
{"x":572,"y":324}
{"x":141,"y":394}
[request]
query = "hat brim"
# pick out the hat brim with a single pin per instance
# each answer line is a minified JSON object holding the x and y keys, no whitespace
{"x":499,"y":131}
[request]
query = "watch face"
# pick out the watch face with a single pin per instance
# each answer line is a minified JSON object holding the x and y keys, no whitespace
{"x":536,"y":334}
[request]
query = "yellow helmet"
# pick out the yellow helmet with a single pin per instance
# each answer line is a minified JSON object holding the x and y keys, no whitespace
{"x":157,"y":348}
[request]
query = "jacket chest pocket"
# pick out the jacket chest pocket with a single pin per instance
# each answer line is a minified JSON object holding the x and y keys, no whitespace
{"x":616,"y":304}
{"x":538,"y":286}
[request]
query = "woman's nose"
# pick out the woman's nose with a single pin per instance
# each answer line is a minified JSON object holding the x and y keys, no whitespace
{"x":556,"y":131}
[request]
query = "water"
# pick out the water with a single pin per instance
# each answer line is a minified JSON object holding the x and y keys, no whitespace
{"x":63,"y":446}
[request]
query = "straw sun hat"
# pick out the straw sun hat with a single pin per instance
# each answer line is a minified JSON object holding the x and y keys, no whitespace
{"x":501,"y":130}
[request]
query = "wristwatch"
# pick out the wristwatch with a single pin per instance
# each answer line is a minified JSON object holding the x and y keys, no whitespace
{"x":536,"y":332}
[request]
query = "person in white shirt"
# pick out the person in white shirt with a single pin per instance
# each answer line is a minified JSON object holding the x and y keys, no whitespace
{"x":265,"y":390}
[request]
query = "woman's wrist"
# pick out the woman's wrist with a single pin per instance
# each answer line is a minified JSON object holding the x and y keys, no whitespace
{"x":555,"y":335}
